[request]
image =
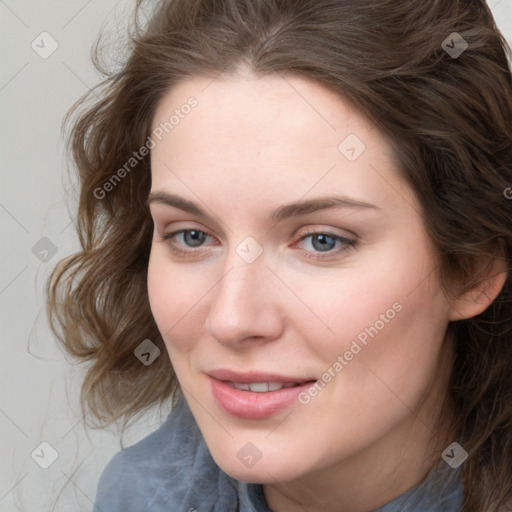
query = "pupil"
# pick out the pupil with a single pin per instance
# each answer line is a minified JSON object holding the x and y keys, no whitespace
{"x":323,"y":242}
{"x":194,"y":238}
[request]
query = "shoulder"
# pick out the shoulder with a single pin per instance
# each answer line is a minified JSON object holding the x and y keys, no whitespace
{"x":129,"y":477}
{"x":158,"y":469}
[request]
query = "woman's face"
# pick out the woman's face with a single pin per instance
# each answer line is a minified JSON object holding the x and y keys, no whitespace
{"x":295,"y":255}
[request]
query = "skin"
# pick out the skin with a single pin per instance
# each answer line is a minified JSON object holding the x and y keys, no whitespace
{"x":250,"y":146}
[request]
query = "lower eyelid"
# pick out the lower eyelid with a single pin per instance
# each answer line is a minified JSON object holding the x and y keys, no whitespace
{"x":332,"y":254}
{"x":182,"y":248}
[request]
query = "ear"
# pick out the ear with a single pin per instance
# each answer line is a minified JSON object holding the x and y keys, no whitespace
{"x":473,"y":302}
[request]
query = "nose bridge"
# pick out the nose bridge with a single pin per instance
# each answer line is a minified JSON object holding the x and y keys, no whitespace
{"x":242,"y":286}
{"x":241,"y":305}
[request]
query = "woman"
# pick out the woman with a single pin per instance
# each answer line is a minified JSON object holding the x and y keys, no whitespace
{"x":295,"y":226}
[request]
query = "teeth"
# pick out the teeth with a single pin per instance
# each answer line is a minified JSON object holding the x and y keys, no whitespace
{"x":243,"y":387}
{"x":261,"y":387}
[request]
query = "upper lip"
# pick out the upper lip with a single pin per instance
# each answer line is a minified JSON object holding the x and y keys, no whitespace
{"x":252,"y":376}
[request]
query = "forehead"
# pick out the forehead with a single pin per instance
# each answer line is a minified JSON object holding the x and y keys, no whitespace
{"x":282,"y":134}
{"x":257,"y":109}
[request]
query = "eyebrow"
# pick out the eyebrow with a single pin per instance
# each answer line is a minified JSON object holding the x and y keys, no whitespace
{"x":278,"y":215}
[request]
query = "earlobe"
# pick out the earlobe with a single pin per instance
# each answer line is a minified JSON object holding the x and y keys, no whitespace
{"x":475,"y":301}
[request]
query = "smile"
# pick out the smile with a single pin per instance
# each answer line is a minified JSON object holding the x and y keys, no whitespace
{"x":261,"y":387}
{"x":255,"y":395}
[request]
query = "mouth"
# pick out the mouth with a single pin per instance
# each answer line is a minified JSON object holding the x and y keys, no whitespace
{"x":261,"y":387}
{"x":253,"y":378}
{"x":255,"y":395}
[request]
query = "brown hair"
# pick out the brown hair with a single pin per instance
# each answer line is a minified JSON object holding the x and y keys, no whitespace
{"x":447,"y":118}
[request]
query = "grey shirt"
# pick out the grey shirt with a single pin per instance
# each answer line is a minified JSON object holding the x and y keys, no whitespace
{"x":171,"y":470}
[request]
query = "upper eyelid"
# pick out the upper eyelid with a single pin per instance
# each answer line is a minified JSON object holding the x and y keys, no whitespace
{"x":326,"y":232}
{"x":310,"y":230}
{"x":155,"y":203}
{"x":308,"y":233}
{"x":158,"y":212}
{"x":301,"y":237}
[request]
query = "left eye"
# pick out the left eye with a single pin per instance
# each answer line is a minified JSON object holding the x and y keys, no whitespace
{"x":324,"y":242}
{"x":194,"y":238}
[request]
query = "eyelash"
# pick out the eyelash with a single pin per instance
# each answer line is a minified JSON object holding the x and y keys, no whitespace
{"x":346,"y":242}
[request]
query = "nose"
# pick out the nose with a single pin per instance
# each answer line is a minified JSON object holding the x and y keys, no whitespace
{"x":245,"y":307}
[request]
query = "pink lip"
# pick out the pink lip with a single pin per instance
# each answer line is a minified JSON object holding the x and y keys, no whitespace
{"x":251,"y":405}
{"x":247,"y":377}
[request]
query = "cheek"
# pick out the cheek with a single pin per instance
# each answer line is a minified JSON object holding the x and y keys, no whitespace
{"x":390,"y":345}
{"x":174,"y":297}
{"x":339,"y":306}
{"x":385,"y":313}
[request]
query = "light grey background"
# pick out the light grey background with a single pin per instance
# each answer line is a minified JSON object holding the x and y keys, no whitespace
{"x":39,"y":387}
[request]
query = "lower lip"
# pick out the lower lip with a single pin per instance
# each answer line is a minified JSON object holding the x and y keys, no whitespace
{"x":254,"y":406}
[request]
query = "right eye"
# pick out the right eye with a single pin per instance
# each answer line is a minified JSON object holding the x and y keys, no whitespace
{"x":187,"y":242}
{"x":190,"y":237}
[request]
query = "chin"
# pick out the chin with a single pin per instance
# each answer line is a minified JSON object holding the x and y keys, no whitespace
{"x":266,"y":470}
